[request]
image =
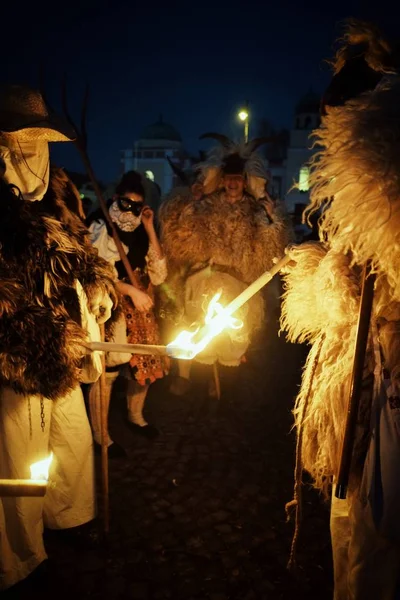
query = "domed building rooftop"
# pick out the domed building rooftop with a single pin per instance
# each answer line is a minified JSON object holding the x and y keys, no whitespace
{"x":161,"y":131}
{"x":310,"y":103}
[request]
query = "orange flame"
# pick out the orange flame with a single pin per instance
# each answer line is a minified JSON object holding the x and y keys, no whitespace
{"x":216,"y":320}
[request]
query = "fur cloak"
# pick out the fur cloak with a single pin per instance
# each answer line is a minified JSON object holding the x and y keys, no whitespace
{"x":320,"y":306}
{"x":237,"y":237}
{"x":356,"y":182}
{"x":355,"y":179}
{"x":44,"y":249}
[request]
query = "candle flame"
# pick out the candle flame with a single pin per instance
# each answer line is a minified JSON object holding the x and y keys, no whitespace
{"x":216,"y":320}
{"x":40,"y":470}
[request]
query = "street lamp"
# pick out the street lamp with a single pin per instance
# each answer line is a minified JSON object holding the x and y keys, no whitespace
{"x":244,"y":116}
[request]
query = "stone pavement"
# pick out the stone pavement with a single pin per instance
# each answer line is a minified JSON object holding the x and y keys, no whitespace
{"x":198,"y":514}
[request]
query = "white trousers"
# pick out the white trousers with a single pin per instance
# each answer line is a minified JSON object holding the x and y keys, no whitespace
{"x":69,"y":501}
{"x":135,"y":399}
{"x":366,"y":564}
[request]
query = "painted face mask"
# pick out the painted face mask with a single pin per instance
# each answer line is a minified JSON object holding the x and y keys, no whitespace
{"x":27,"y":166}
{"x":126,"y":218}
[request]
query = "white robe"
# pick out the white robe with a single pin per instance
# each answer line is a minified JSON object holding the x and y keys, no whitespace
{"x":70,"y":497}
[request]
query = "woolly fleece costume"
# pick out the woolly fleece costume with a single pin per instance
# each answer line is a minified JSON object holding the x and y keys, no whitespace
{"x":53,"y":289}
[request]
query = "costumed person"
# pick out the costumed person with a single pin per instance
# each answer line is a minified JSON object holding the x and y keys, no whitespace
{"x":191,"y":189}
{"x":222,"y":241}
{"x":134,"y":222}
{"x":54,"y":292}
{"x":355,"y":185}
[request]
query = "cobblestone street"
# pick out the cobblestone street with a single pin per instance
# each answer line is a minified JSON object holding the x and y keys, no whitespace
{"x":199,"y":513}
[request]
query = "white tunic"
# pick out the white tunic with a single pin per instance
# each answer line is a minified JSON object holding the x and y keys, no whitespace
{"x":70,"y":499}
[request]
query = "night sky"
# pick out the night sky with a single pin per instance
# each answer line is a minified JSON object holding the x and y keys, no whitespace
{"x":194,"y":62}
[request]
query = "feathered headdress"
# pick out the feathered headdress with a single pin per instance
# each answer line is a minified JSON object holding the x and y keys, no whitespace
{"x":186,"y":178}
{"x":234,"y":158}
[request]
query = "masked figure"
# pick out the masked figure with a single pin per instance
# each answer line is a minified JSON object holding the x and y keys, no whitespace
{"x":54,"y":292}
{"x":222,"y":242}
{"x":135,"y":227}
{"x":355,"y":181}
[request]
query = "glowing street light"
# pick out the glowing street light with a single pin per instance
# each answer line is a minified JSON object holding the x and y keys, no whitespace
{"x":244,"y":116}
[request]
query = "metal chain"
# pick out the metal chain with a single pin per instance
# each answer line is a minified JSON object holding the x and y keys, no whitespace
{"x":30,"y":418}
{"x":42,"y":422}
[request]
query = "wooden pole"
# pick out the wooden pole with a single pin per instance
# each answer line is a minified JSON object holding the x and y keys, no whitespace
{"x":257,"y":285}
{"x":128,"y":348}
{"x":364,"y":318}
{"x":104,"y":442}
{"x":217,"y":380}
{"x":103,"y":206}
{"x":81,"y":145}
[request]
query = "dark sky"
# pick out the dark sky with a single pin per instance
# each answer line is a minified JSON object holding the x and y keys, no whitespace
{"x":195,"y":62}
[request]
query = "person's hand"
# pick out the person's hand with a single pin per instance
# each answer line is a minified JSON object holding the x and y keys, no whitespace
{"x":141,"y":300}
{"x":148,"y":218}
{"x":269,"y":205}
{"x":295,"y":252}
{"x":101,"y":307}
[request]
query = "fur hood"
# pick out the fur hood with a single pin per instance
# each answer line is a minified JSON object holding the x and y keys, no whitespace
{"x":355,"y":179}
{"x":44,"y":249}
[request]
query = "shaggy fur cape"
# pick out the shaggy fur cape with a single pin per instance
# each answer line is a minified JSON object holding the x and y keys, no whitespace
{"x":355,"y":179}
{"x":44,"y":249}
{"x":356,"y":182}
{"x":238,"y":237}
{"x":320,"y":306}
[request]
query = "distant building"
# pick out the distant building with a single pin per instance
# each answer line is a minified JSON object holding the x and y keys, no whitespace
{"x":286,"y":158}
{"x":290,"y":175}
{"x":149,"y":154}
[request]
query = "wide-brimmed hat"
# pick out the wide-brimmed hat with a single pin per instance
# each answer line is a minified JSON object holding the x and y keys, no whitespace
{"x":24,"y":114}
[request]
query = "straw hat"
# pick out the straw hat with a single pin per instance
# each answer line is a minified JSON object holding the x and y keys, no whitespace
{"x":25,"y":116}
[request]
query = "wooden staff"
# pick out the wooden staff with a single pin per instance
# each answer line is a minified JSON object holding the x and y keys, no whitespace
{"x":364,"y":318}
{"x":81,"y":144}
{"x":217,"y":380}
{"x":104,"y":441}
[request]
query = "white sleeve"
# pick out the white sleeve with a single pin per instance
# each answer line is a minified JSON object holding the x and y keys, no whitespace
{"x":104,"y":243}
{"x":156,"y":267}
{"x":92,"y":364}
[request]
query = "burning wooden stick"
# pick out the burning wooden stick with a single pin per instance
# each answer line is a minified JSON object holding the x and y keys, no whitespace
{"x":36,"y":486}
{"x":188,"y":344}
{"x":192,"y":343}
{"x":23,"y":487}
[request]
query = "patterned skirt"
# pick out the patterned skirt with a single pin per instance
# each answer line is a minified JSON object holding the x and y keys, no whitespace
{"x":142,"y":328}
